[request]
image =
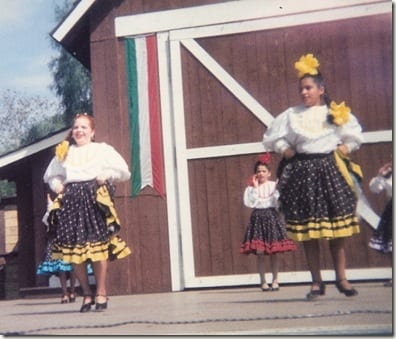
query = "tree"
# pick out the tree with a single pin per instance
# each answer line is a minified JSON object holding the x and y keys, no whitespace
{"x":44,"y":128}
{"x":20,"y":114}
{"x":23,"y":120}
{"x":72,"y":81}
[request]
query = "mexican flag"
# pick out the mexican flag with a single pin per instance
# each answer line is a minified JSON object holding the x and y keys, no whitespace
{"x":144,"y":114}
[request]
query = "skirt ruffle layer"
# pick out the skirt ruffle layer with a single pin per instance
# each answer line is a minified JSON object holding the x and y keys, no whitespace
{"x":266,"y":234}
{"x":111,"y":250}
{"x":51,"y":267}
{"x":381,"y":240}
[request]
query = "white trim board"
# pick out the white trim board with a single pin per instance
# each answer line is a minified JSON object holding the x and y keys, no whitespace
{"x":236,"y":11}
{"x":31,"y":149}
{"x":378,"y":136}
{"x":181,"y":163}
{"x":169,"y":164}
{"x":257,"y":147}
{"x":287,"y":277}
{"x":71,"y":20}
{"x":296,"y":19}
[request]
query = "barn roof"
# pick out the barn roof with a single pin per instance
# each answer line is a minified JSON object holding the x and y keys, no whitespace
{"x":73,"y":32}
{"x":7,"y":161}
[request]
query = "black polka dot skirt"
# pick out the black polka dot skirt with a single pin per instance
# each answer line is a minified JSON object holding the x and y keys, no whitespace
{"x":381,"y":240}
{"x":266,"y":234}
{"x":81,"y":230}
{"x":316,"y":199}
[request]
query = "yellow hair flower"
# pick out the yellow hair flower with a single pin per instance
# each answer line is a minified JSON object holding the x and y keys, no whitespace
{"x":339,"y":114}
{"x":61,"y":150}
{"x":307,"y":64}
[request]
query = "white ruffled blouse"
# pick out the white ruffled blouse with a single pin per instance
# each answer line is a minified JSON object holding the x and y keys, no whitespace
{"x":264,"y":196}
{"x":87,"y":163}
{"x":306,"y":130}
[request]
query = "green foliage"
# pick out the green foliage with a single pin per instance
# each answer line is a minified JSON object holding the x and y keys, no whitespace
{"x":45,"y":128}
{"x":21,"y":114}
{"x":7,"y":189}
{"x":72,"y":81}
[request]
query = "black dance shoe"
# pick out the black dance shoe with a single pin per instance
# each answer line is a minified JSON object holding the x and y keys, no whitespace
{"x":86,"y":306}
{"x":72,"y":298}
{"x":313,"y":294}
{"x":65,"y":299}
{"x":275,"y":286}
{"x":101,"y":306}
{"x":348,"y":292}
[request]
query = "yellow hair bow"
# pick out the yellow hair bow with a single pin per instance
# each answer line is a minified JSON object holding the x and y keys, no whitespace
{"x":307,"y":64}
{"x":339,"y":114}
{"x":61,"y":150}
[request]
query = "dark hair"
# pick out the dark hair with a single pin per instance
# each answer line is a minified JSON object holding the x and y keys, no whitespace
{"x":260,"y":163}
{"x":320,"y":82}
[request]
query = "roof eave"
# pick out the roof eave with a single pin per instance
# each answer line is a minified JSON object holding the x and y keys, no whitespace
{"x":26,"y":151}
{"x":73,"y":32}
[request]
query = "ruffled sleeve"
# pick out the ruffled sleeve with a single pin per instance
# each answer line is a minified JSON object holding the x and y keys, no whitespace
{"x":54,"y":175}
{"x":351,"y":134}
{"x":274,"y":139}
{"x":114,"y":166}
{"x":250,"y":196}
{"x":264,"y":196}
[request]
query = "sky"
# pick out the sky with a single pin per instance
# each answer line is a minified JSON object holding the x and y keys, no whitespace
{"x":26,"y":47}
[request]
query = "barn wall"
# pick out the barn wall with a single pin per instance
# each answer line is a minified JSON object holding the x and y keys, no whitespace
{"x":26,"y":245}
{"x":31,"y":204}
{"x":38,"y":164}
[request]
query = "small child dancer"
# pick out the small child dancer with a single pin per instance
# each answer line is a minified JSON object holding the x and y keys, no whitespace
{"x":58,"y":267}
{"x":381,"y":239}
{"x":266,"y":230}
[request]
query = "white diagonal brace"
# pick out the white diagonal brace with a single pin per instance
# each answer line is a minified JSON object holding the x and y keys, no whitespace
{"x":228,"y":81}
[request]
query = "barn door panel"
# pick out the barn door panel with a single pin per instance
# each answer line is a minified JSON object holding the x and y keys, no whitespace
{"x":215,"y":152}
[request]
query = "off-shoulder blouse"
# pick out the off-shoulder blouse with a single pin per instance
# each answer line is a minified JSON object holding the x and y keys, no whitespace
{"x":307,"y":130}
{"x":86,"y":163}
{"x":264,"y":196}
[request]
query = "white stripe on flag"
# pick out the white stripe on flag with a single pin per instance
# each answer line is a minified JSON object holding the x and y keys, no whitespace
{"x":144,"y":122}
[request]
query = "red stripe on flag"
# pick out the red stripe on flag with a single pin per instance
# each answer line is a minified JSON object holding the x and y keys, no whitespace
{"x":155,"y":116}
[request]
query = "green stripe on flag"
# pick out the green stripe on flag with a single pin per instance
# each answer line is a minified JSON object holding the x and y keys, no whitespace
{"x":133,"y":110}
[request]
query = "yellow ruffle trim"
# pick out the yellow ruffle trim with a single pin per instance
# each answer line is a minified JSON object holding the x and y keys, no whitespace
{"x":348,"y":168}
{"x":341,"y":227}
{"x":116,"y":248}
{"x":104,"y":199}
